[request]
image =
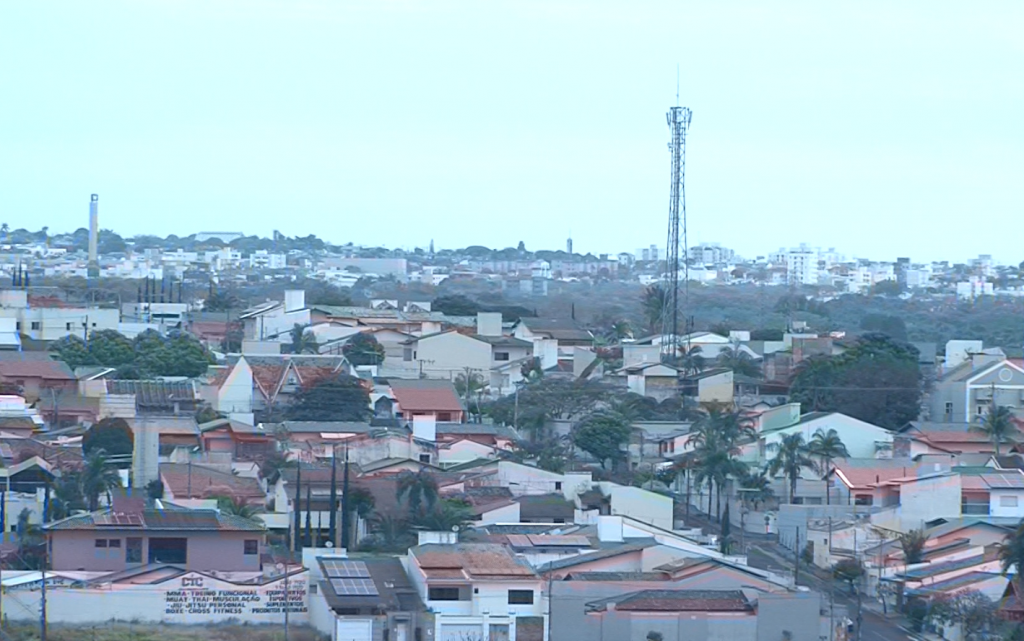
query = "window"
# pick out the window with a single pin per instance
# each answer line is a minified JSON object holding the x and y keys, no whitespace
{"x":501,"y":356}
{"x":312,"y":588}
{"x":133,"y":550}
{"x":520,"y":597}
{"x":251,"y":546}
{"x":949,"y":409}
{"x":1007,"y":501}
{"x":168,"y":550}
{"x":36,"y":325}
{"x":444,"y":417}
{"x":443,"y":594}
{"x":67,"y":326}
{"x":407,"y":354}
{"x":17,"y":326}
{"x":424,"y":458}
{"x":114,"y":543}
{"x":101,"y":543}
{"x":863,"y":499}
{"x":558,"y":485}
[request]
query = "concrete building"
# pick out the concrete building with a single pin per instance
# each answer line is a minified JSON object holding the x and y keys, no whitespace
{"x":965,"y":393}
{"x":48,"y":319}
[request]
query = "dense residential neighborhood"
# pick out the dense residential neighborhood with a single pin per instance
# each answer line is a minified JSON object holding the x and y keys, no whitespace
{"x":427,"y":463}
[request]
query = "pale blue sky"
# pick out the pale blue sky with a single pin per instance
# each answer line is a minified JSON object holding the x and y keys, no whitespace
{"x":881,"y":128}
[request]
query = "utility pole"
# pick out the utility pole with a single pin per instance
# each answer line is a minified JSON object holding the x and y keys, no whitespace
{"x":796,"y":558}
{"x":42,"y":593}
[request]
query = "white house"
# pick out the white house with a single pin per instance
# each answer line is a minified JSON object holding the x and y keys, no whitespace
{"x":862,"y":440}
{"x":274,"y":320}
{"x":478,"y":591}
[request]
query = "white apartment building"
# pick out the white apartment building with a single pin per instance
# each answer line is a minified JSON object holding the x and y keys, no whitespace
{"x":801,"y":266}
{"x":711,"y":254}
{"x":262,"y":259}
{"x":53,"y":323}
{"x":974,"y":288}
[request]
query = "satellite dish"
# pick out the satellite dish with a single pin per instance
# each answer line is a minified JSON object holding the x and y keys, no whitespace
{"x":455,"y":528}
{"x":280,"y":567}
{"x":329,"y":544}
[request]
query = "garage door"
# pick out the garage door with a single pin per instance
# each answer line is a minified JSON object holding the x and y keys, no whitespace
{"x":460,"y":632}
{"x":353,"y":630}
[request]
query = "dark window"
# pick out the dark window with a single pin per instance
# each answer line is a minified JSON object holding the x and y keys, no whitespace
{"x":168,"y":550}
{"x":424,"y":458}
{"x":17,"y":326}
{"x":251,"y":546}
{"x":67,"y":326}
{"x":101,"y":543}
{"x":443,"y":594}
{"x":36,"y":324}
{"x":444,"y":417}
{"x":863,"y":499}
{"x":501,"y":356}
{"x":558,"y":485}
{"x":114,"y":543}
{"x":94,"y":324}
{"x":520,"y":597}
{"x":133,"y":550}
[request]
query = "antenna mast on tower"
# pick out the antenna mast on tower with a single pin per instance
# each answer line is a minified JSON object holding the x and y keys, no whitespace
{"x":679,"y":124}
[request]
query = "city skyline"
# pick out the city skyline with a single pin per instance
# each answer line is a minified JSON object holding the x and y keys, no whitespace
{"x":315,"y":118}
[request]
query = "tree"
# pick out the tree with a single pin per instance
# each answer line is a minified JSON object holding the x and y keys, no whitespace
{"x":756,"y":488}
{"x":739,"y":362}
{"x":418,"y":489}
{"x":791,"y":457}
{"x":303,"y":340}
{"x":177,"y":354}
{"x":73,"y":351}
{"x":457,"y":305}
{"x":827,"y":446}
{"x":1011,"y":553}
{"x":221,"y":302}
{"x":67,"y":495}
{"x":363,"y":349}
{"x":469,"y":386}
{"x":336,"y":398}
{"x":849,"y":570}
{"x":892,"y":326}
{"x":98,"y":477}
{"x":111,"y":435}
{"x":877,"y":380}
{"x":602,"y":435}
{"x":715,"y":437}
{"x":912,"y":543}
{"x":445,"y":516}
{"x":111,"y":348}
{"x":155,"y":489}
{"x":389,"y":533}
{"x":998,"y":426}
{"x":653,"y":304}
{"x":691,"y":360}
{"x":234,"y":506}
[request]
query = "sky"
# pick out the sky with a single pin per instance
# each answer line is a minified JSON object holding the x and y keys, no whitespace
{"x":881,"y":129}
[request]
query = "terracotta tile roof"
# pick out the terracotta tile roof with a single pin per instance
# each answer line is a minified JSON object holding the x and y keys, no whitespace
{"x":1011,"y":607}
{"x":176,"y":519}
{"x":207,"y":482}
{"x":678,"y":601}
{"x":865,"y":473}
{"x":425,"y":395}
{"x":476,"y":560}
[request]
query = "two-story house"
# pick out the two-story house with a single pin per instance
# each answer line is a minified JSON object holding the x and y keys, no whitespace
{"x":479,"y":591}
{"x":965,"y":393}
{"x":421,"y":397}
{"x":274,"y":320}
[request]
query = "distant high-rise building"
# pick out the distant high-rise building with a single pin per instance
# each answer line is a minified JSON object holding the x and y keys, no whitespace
{"x":568,"y":246}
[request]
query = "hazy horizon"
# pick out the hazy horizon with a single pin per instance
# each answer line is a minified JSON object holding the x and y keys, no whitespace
{"x":879,"y":130}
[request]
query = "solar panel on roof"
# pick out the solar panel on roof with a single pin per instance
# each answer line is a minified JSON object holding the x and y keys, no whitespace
{"x":354,"y":587}
{"x":346,"y":569}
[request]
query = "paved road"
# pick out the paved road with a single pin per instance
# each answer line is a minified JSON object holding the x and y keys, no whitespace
{"x":875,"y":627}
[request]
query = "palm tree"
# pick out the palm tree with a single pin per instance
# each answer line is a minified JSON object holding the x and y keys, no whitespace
{"x":1011,"y":553}
{"x":912,"y":543}
{"x":447,"y":515}
{"x":998,"y":426}
{"x":739,"y":362}
{"x":792,"y":456}
{"x":653,"y":302}
{"x":470,"y":385}
{"x":691,"y":361}
{"x":67,"y":495}
{"x":303,"y":340}
{"x":827,"y":446}
{"x":234,"y":506}
{"x":716,"y":436}
{"x":757,"y":487}
{"x":98,"y":477}
{"x":619,"y":331}
{"x":389,"y":533}
{"x":417,"y":488}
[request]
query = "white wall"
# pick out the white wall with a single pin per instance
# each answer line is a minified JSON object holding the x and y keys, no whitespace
{"x":525,"y":480}
{"x":644,"y":506}
{"x":858,"y":437}
{"x":1014,"y":507}
{"x":446,"y":355}
{"x":927,"y":499}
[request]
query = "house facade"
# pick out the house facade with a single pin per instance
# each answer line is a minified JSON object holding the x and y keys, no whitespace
{"x":965,"y":393}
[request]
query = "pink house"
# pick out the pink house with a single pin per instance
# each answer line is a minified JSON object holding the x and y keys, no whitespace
{"x":113,"y":541}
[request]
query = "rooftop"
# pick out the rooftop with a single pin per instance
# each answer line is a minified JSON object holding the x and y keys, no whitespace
{"x":470,"y":561}
{"x":166,"y":518}
{"x":677,"y":601}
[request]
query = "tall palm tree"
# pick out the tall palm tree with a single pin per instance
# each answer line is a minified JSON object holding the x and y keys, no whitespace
{"x":757,"y":487}
{"x":303,"y":340}
{"x":692,"y":360}
{"x":98,"y":477}
{"x":791,"y":457}
{"x":827,"y":446}
{"x":417,"y":488}
{"x":1011,"y":553}
{"x":998,"y":426}
{"x":619,"y":331}
{"x":716,"y":437}
{"x":446,"y":515}
{"x":912,"y":543}
{"x":653,"y":303}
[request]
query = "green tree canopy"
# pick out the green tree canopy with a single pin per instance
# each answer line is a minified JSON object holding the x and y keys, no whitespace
{"x":877,"y":380}
{"x":363,"y":349}
{"x":111,"y":435}
{"x":336,"y":398}
{"x":602,"y":435}
{"x":148,"y":355}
